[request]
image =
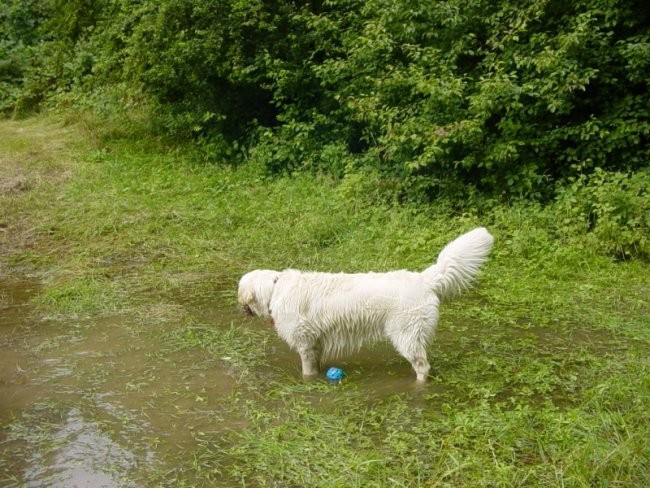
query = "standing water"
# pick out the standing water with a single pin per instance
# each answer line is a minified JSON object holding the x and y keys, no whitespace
{"x":110,"y":401}
{"x":97,"y":402}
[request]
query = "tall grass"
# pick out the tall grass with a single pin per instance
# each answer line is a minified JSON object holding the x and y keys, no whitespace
{"x":540,"y":373}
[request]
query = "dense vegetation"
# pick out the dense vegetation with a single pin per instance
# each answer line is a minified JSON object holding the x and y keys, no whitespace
{"x":545,"y":100}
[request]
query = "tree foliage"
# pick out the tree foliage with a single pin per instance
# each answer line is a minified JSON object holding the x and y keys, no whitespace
{"x":449,"y":97}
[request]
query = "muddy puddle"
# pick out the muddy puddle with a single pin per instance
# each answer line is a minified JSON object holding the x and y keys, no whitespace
{"x":107,"y":401}
{"x":112,"y":402}
{"x":97,"y":402}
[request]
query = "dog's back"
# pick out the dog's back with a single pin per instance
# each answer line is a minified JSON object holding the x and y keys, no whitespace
{"x":347,"y":310}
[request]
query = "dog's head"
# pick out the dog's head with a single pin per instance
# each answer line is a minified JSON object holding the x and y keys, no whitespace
{"x":255,"y":291}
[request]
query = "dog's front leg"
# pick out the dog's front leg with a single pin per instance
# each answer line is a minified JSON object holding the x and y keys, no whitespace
{"x":307,"y":344}
{"x":310,"y":357}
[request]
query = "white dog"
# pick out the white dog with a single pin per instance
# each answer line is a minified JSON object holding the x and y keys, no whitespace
{"x":323,"y":315}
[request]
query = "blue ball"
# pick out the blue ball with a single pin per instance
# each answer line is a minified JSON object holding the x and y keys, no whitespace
{"x":335,"y":374}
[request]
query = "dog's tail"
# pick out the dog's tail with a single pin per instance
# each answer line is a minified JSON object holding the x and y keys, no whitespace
{"x":459,"y":263}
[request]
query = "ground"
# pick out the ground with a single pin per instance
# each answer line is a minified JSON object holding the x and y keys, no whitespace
{"x":127,"y":362}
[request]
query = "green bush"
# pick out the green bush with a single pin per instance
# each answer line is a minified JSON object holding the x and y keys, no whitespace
{"x":614,"y":207}
{"x":19,"y":23}
{"x":449,"y":98}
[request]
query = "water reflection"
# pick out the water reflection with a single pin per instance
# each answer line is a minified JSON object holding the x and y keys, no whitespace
{"x":96,"y":402}
{"x":83,"y":456}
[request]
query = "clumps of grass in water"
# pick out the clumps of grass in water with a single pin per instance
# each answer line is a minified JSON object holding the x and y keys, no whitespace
{"x":291,"y":444}
{"x":81,"y":295}
{"x":395,"y":444}
{"x":241,"y":350}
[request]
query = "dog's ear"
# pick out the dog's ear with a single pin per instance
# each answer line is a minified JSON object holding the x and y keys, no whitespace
{"x":245,"y":290}
{"x":245,"y":297}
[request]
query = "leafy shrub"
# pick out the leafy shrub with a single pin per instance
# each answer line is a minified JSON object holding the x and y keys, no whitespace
{"x":446,"y":98}
{"x":614,"y":207}
{"x":19,"y":22}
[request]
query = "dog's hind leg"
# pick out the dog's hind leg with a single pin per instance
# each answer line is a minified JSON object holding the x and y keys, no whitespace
{"x":413,"y":346}
{"x":419,"y":361}
{"x":421,"y":366}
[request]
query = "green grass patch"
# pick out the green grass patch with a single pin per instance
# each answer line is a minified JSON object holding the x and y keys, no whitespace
{"x":540,"y":373}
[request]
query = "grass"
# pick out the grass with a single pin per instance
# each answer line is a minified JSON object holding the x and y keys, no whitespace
{"x":541,"y":376}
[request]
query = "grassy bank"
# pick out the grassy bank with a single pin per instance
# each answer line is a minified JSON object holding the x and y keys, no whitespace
{"x":540,"y":374}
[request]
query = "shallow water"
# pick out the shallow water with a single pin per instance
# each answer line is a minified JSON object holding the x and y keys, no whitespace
{"x":111,"y":401}
{"x":95,"y":401}
{"x":105,"y":401}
